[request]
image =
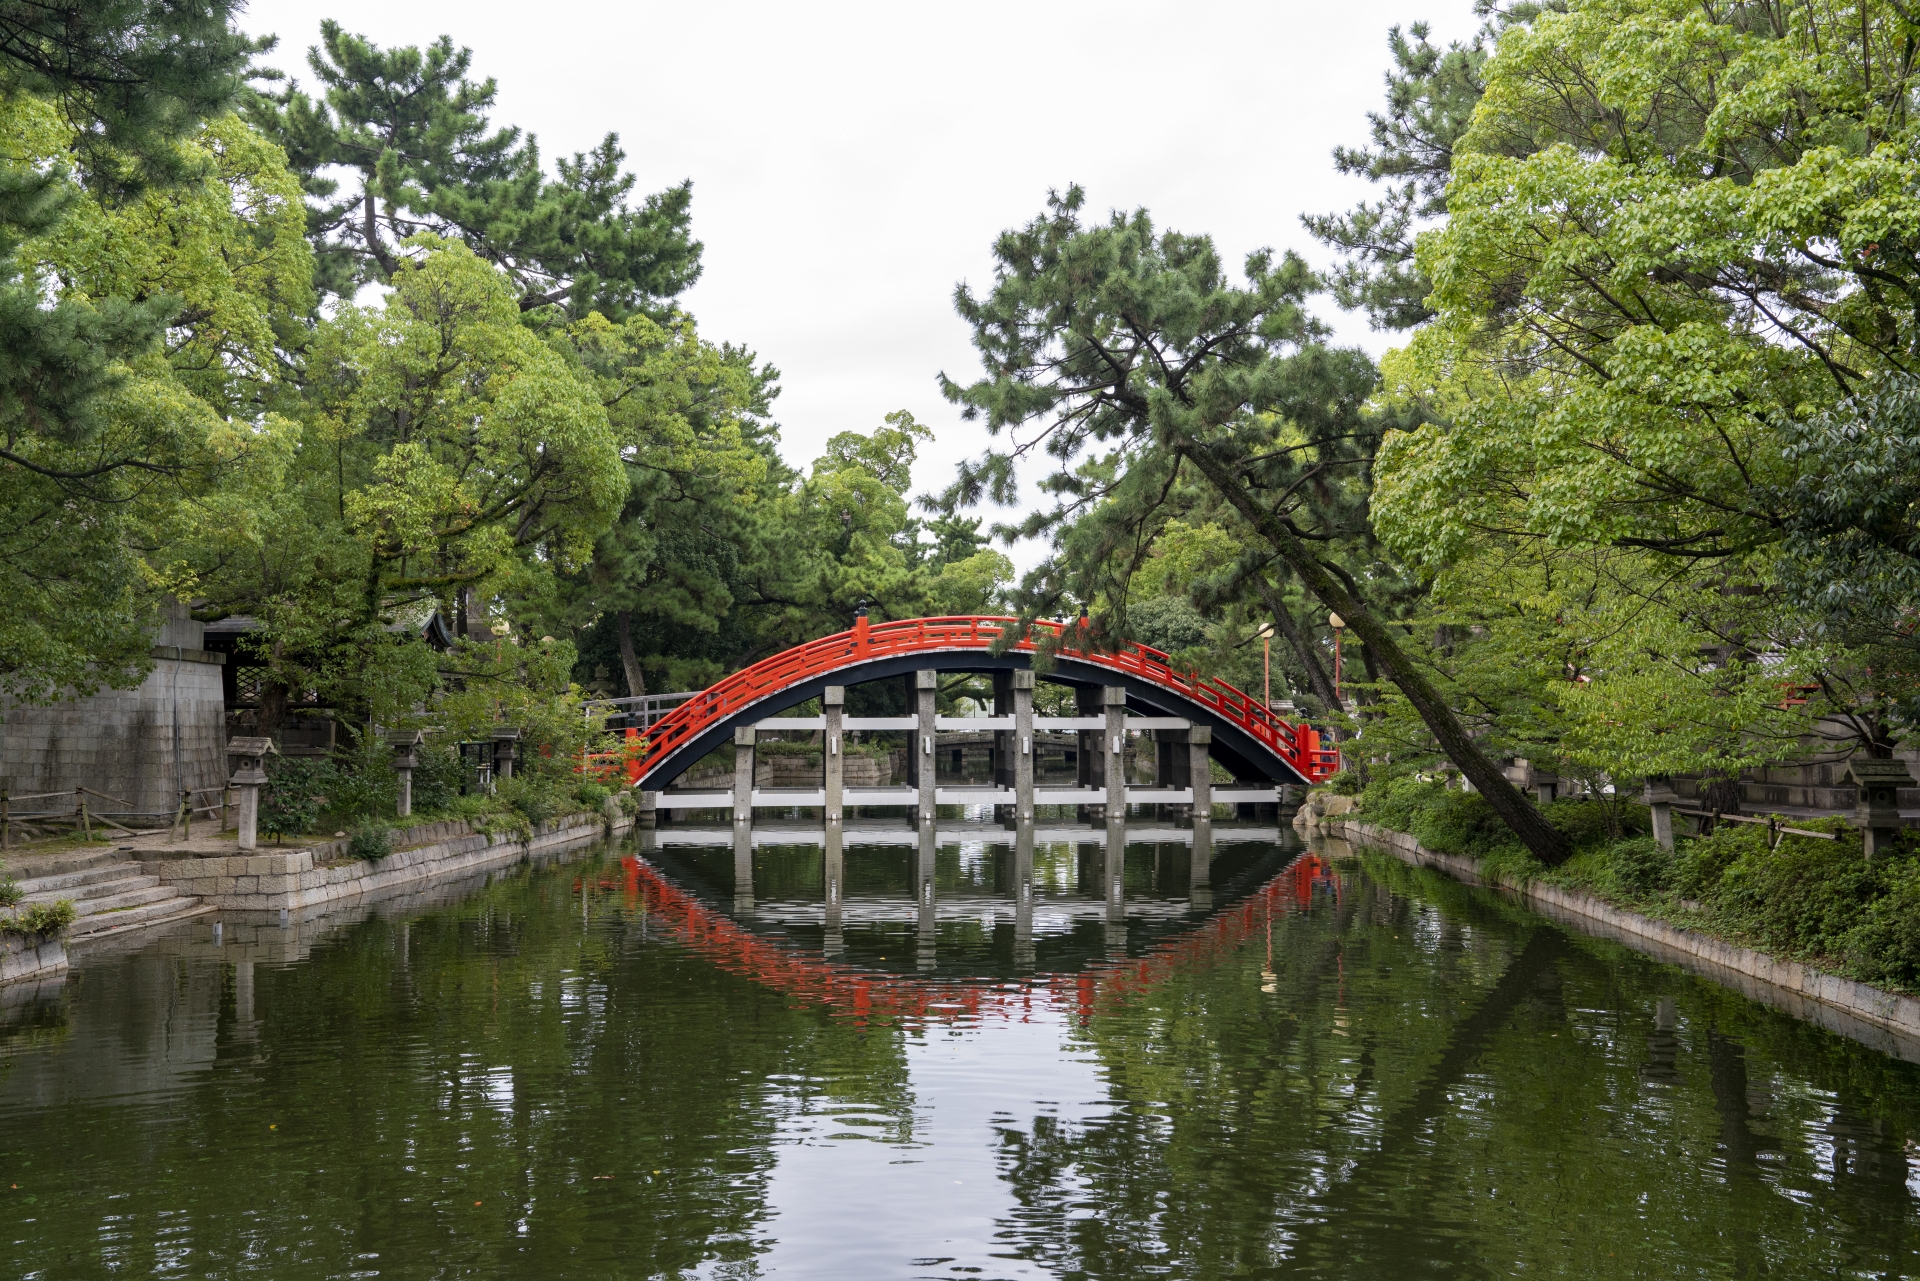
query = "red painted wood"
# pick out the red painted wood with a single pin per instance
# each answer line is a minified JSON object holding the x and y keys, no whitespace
{"x":1298,"y":745}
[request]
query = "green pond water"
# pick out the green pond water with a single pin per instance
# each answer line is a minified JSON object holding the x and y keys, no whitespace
{"x":638,"y":1064}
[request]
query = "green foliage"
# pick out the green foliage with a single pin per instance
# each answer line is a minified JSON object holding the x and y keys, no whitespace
{"x":1345,"y":783}
{"x":371,"y":838}
{"x":297,"y":789}
{"x":437,"y":779}
{"x":591,"y":797}
{"x":412,"y":133}
{"x":361,"y":784}
{"x":534,"y":798}
{"x":41,"y":918}
{"x":10,"y":891}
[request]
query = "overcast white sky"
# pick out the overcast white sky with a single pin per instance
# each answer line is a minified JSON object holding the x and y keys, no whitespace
{"x":851,"y":162}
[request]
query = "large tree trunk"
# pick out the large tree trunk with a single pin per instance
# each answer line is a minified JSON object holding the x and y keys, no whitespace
{"x":1526,"y":822}
{"x":636,"y":679}
{"x":1316,"y":674}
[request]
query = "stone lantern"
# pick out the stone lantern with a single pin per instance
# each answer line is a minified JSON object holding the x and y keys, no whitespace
{"x":505,"y":741}
{"x":249,"y":777}
{"x":1878,"y":813}
{"x":406,"y":757}
{"x":1660,"y":798}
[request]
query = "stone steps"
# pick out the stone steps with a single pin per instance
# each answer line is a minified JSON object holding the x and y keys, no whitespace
{"x":110,"y":894}
{"x":165,"y":911}
{"x":40,"y":889}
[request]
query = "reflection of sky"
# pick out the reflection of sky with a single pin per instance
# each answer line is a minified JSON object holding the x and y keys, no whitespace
{"x":847,"y":1205}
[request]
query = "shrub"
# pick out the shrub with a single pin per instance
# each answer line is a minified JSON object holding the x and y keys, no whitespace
{"x":297,"y":788}
{"x":43,"y":918}
{"x":592,"y":796}
{"x":10,"y":891}
{"x":1885,"y":947}
{"x":1640,"y":867}
{"x":363,"y":785}
{"x":437,"y":780}
{"x":371,"y":839}
{"x":1806,"y":896}
{"x":1344,"y":783}
{"x":533,"y":798}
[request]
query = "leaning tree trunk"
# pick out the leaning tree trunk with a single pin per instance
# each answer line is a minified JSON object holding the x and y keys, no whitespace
{"x":1526,"y":822}
{"x":636,"y":679}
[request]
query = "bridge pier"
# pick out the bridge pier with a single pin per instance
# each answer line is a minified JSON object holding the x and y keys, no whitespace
{"x":1114,"y":865}
{"x":742,"y":868}
{"x":1023,"y":954}
{"x":926,"y":685}
{"x":923,"y":890}
{"x":1013,"y":749}
{"x":834,"y":943}
{"x":833,"y":702}
{"x":743,"y":743}
{"x":1200,"y":871}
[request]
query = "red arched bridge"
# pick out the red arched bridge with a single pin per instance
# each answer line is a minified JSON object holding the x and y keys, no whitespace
{"x":1195,"y":720}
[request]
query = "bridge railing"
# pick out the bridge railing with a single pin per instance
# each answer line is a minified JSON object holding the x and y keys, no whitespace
{"x":1299,"y":745}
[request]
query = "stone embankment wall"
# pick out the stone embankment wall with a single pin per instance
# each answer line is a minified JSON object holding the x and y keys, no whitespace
{"x":1884,"y":1020}
{"x":141,"y":745}
{"x":31,"y":957}
{"x":273,"y":880}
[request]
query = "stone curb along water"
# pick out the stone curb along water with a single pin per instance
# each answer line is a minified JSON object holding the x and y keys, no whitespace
{"x":1883,"y":1020}
{"x":25,"y":956}
{"x":275,"y":880}
{"x":311,"y":877}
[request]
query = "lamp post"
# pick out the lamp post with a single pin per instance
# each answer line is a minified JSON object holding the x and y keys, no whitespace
{"x":1266,"y":661}
{"x":1336,"y":622}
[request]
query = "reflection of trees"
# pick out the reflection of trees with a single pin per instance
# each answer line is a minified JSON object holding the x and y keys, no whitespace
{"x":570,"y":1076}
{"x":1439,"y":1083}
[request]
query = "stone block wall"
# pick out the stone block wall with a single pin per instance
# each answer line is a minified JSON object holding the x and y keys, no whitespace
{"x":140,"y":745}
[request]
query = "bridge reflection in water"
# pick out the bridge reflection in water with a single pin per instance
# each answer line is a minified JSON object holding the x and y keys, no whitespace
{"x":966,"y":918}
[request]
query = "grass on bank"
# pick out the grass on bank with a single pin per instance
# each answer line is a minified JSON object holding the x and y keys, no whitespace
{"x":1807,"y":900}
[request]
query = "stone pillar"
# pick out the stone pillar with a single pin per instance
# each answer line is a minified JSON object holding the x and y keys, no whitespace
{"x":926,"y":685}
{"x":248,"y":778}
{"x":1545,"y":786}
{"x":1023,"y":955}
{"x":743,"y":868}
{"x":833,"y":703}
{"x":1878,"y":813}
{"x":833,"y":940}
{"x":1113,"y":871}
{"x":406,"y":758}
{"x":1023,"y":748}
{"x":923,"y":890}
{"x":1200,"y":772}
{"x":1660,"y":798}
{"x":649,"y":817}
{"x":1113,"y":746}
{"x":744,"y":737}
{"x":506,"y":741}
{"x":1200,"y":870}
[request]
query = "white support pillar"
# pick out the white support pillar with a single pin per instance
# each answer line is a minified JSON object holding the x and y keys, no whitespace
{"x":833,"y":702}
{"x":926,"y":684}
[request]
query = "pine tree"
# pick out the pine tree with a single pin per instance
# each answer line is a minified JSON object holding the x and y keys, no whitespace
{"x":412,"y":130}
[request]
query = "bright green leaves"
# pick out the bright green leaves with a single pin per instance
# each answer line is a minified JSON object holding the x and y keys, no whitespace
{"x":472,"y":441}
